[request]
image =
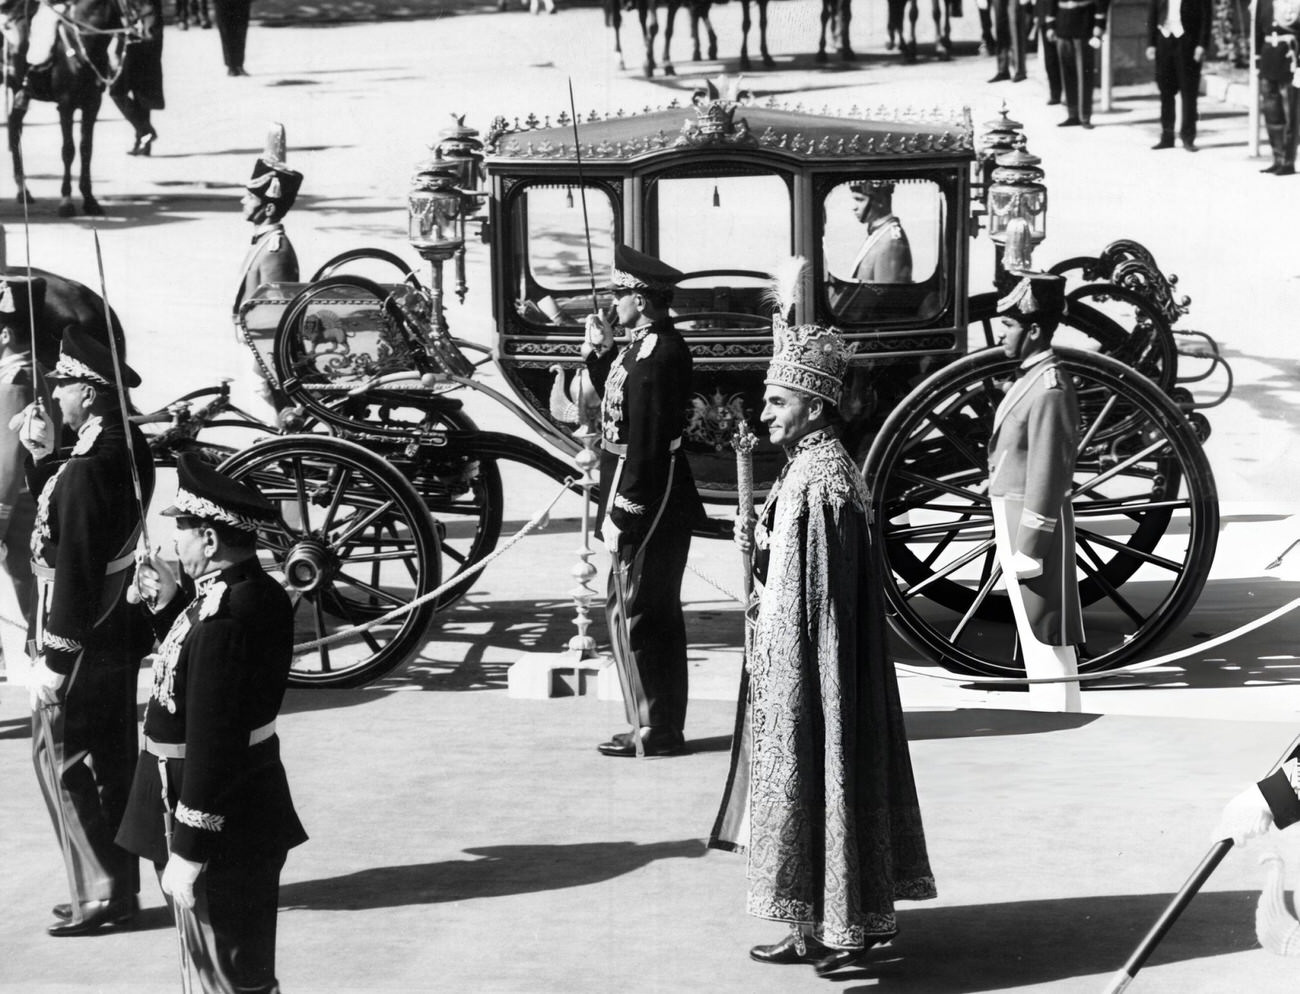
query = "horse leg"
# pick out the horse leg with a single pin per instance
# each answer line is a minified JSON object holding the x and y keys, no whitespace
{"x":16,"y":115}
{"x":66,"y":206}
{"x":768,"y":61}
{"x":942,"y":39}
{"x":846,"y":18}
{"x":708,"y":26}
{"x":828,"y":15}
{"x":616,"y":21}
{"x":695,"y":33}
{"x":668,"y":38}
{"x":744,"y":35}
{"x":205,"y":18}
{"x":89,"y":114}
{"x":893,"y":24}
{"x":649,"y":31}
{"x":909,"y":47}
{"x":183,"y":14}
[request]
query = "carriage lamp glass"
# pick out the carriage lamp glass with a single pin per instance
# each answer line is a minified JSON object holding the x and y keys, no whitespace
{"x":460,"y":146}
{"x":433,"y":209}
{"x":1000,"y":135}
{"x":1017,"y":198}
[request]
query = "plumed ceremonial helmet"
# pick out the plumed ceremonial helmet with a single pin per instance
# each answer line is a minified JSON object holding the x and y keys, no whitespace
{"x":85,"y":359}
{"x":275,"y":183}
{"x":810,"y":359}
{"x":635,"y":270}
{"x":1038,"y":296}
{"x":202,"y":492}
{"x":21,"y":299}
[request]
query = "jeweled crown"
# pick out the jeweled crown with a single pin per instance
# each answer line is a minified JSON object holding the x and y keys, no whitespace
{"x":811,"y":359}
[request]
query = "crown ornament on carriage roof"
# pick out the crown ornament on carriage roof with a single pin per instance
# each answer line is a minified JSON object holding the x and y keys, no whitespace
{"x":715,"y":113}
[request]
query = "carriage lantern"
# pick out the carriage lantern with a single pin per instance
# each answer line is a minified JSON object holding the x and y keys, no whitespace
{"x":460,"y":146}
{"x":1001,"y":135}
{"x":434,"y":209}
{"x":1017,"y":202}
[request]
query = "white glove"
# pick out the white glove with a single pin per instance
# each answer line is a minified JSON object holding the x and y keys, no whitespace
{"x":611,"y":533}
{"x":156,"y":582}
{"x":1025,"y":566}
{"x":43,"y":684}
{"x":599,"y":334}
{"x":178,"y":879}
{"x":33,"y":431}
{"x":1246,"y":816}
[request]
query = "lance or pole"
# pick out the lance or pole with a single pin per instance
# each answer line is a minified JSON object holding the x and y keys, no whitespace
{"x":743,"y":442}
{"x":38,"y":386}
{"x":121,"y":394}
{"x":582,"y":193}
{"x":1120,"y":981}
{"x":1282,"y":555}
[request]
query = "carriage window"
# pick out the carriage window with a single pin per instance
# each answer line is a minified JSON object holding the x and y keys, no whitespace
{"x":882,"y":248}
{"x":730,"y":230}
{"x":552,"y":277}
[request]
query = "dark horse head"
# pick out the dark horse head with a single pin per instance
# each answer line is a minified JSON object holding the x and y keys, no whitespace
{"x":72,"y":75}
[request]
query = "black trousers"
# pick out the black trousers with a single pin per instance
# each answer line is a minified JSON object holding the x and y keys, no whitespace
{"x":656,"y":627}
{"x":1178,"y":77}
{"x":1009,"y":23}
{"x":1078,"y":75}
{"x":232,"y":24}
{"x":1051,"y":61}
{"x":84,"y":752}
{"x":1279,"y":102}
{"x":230,"y":931}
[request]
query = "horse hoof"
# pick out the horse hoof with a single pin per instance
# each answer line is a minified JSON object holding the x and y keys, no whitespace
{"x":769,"y":62}
{"x":24,"y":197}
{"x":90,"y":207}
{"x":820,"y":57}
{"x":67,"y":209}
{"x":713,"y":51}
{"x":669,"y":70}
{"x":648,"y":69}
{"x":622,"y":66}
{"x":848,"y":55}
{"x":889,"y":45}
{"x":744,"y":63}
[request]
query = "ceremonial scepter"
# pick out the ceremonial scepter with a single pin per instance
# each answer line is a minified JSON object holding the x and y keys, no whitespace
{"x":1120,"y":981}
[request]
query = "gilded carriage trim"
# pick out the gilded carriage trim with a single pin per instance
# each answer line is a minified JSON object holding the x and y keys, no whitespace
{"x":199,"y":819}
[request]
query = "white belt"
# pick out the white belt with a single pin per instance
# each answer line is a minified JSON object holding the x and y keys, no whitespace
{"x":43,"y":572}
{"x":176,"y":750}
{"x":1073,"y":4}
{"x":619,"y":449}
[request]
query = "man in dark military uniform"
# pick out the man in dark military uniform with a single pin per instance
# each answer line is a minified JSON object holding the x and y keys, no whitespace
{"x":19,"y":300}
{"x":1277,"y":27}
{"x":88,"y":639}
{"x":1031,"y":470}
{"x":232,"y":24}
{"x":138,"y":87}
{"x":1077,"y":27}
{"x":1012,"y":20}
{"x":267,"y":199}
{"x":219,"y":829}
{"x":648,"y":497}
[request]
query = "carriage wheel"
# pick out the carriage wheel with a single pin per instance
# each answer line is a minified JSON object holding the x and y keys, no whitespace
{"x":1099,"y":319}
{"x":1145,"y":506}
{"x":360,"y":255}
{"x":353,"y":542}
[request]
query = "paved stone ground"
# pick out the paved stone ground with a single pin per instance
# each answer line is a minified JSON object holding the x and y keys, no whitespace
{"x":463,"y":841}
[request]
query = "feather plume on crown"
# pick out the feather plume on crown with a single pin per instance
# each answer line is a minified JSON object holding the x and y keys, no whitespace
{"x":784,"y":289}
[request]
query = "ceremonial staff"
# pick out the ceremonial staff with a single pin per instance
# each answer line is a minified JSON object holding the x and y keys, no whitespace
{"x":1120,"y":981}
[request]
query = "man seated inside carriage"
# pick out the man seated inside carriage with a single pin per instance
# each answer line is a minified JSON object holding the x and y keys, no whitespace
{"x":883,"y":259}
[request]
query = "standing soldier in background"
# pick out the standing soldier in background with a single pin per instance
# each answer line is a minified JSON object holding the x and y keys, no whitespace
{"x":1010,"y":17}
{"x":1031,"y":472}
{"x":1077,"y":27}
{"x":649,"y":504}
{"x":1178,"y":35}
{"x":89,"y":641}
{"x":1277,"y":24}
{"x":138,"y":88}
{"x":210,"y":805}
{"x":232,"y":24}
{"x":1050,"y":53}
{"x":20,"y":299}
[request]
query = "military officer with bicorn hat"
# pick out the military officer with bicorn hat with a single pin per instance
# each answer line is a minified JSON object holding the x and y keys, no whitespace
{"x":88,"y":640}
{"x":210,"y":805}
{"x":268,"y":195}
{"x":649,"y":504}
{"x":1031,"y":471}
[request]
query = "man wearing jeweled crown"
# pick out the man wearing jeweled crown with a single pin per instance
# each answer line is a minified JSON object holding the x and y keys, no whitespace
{"x":821,"y":792}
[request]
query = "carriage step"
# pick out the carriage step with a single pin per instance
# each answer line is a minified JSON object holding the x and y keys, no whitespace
{"x":539,"y":676}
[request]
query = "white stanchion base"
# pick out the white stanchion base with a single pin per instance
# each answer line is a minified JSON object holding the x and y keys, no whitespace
{"x":540,"y":676}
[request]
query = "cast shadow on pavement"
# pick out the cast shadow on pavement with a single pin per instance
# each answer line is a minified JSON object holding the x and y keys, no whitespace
{"x":16,"y":728}
{"x":1019,"y":944}
{"x":982,"y":722}
{"x":499,"y":871}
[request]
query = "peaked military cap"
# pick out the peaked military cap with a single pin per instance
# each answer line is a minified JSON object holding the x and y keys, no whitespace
{"x":203,"y":492}
{"x":810,"y":359}
{"x":20,"y":299}
{"x":84,"y":358}
{"x":275,"y":183}
{"x":635,"y":270}
{"x":1037,"y":295}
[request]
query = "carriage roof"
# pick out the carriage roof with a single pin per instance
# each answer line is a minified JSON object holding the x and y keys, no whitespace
{"x":796,"y":133}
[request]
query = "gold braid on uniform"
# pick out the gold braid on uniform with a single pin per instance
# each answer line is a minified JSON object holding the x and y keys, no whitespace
{"x":199,"y":819}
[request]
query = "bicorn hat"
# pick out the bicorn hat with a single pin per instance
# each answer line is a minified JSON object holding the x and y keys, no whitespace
{"x":635,"y":270}
{"x":21,"y":299}
{"x":1036,"y":296}
{"x":85,"y":359}
{"x":810,"y":359}
{"x":203,"y":492}
{"x":273,"y":181}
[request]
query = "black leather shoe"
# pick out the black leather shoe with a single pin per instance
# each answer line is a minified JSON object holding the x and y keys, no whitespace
{"x":95,"y":915}
{"x":1271,"y":169}
{"x":1087,"y":125}
{"x":1166,"y":141}
{"x":654,"y":742}
{"x":1000,"y":77}
{"x":1053,"y":101}
{"x":1070,"y":122}
{"x":787,"y":951}
{"x":841,"y":958}
{"x":1190,"y":145}
{"x":1019,"y":77}
{"x":1284,"y":171}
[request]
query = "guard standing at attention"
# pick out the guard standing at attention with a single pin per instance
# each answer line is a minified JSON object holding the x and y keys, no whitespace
{"x":210,"y":804}
{"x":89,"y":640}
{"x":649,"y":502}
{"x":1077,"y":27}
{"x":1031,"y":472}
{"x":1277,"y":25}
{"x":268,"y":195}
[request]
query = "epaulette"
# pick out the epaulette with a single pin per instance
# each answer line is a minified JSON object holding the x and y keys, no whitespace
{"x":213,"y":600}
{"x":647,"y":345}
{"x":1052,"y":378}
{"x":895,"y":231}
{"x":276,"y":242}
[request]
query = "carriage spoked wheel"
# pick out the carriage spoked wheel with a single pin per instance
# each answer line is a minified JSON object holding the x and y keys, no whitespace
{"x":363,"y":381}
{"x":1145,"y":507}
{"x":1105,"y":318}
{"x":353,"y":542}
{"x":353,"y":256}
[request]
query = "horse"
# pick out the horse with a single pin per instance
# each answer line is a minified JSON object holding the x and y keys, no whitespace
{"x":699,"y":14}
{"x":67,"y":304}
{"x":941,"y":12}
{"x":196,"y":10}
{"x":837,"y":14}
{"x":78,"y":76}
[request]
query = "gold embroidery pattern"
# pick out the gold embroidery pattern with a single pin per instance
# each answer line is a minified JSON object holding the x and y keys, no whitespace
{"x":631,"y":507}
{"x":58,"y":642}
{"x":166,"y":658}
{"x":611,"y":408}
{"x":199,"y":819}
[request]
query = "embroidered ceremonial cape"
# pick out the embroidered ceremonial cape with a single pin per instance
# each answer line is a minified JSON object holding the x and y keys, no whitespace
{"x":834,"y":827}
